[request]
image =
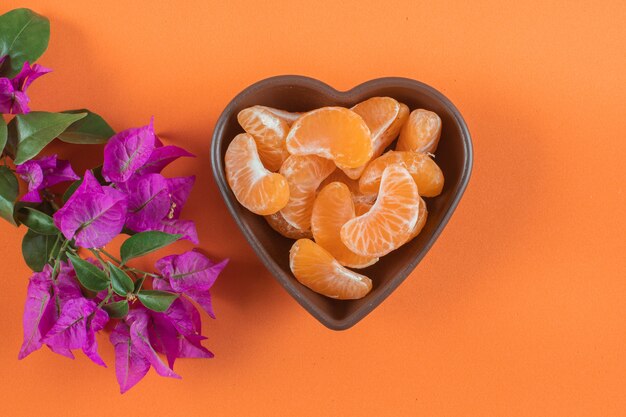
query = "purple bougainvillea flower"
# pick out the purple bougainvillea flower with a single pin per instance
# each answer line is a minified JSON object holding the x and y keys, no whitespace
{"x":38,"y":318}
{"x":133,"y":352}
{"x":78,"y":322}
{"x":130,"y":365}
{"x":193,"y":274}
{"x":179,"y":190}
{"x":44,"y":300}
{"x":161,"y":157}
{"x":93,"y":215}
{"x":128,"y":151}
{"x":13,"y":98}
{"x":176,"y":332}
{"x":148,"y":201}
{"x":42,"y":173}
{"x":185,"y":228}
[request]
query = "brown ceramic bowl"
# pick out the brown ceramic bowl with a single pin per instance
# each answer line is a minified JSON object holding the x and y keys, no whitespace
{"x":297,"y":93}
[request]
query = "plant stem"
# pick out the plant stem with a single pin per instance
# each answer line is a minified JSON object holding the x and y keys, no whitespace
{"x":56,"y":242}
{"x":96,"y":253}
{"x":113,"y":258}
{"x":103,"y":302}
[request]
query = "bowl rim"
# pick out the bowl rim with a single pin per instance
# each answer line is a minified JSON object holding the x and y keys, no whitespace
{"x":217,"y":166}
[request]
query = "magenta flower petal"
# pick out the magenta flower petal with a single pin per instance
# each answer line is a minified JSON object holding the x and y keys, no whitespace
{"x":179,"y":190}
{"x":6,"y":95}
{"x":79,"y":320}
{"x":190,"y":347}
{"x":185,"y":228}
{"x":130,"y":365}
{"x":190,"y":271}
{"x":12,"y":100}
{"x":93,"y":215}
{"x":98,"y":320}
{"x":126,"y":152}
{"x":42,"y":173}
{"x":203,"y":298}
{"x":27,"y":75}
{"x":140,"y":340}
{"x":38,"y":317}
{"x":164,"y":337}
{"x":161,"y":157}
{"x":148,"y":202}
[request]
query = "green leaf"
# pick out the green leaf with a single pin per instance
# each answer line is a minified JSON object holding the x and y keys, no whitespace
{"x":37,"y":129}
{"x":71,"y":190}
{"x":116,"y":310}
{"x":92,"y":277}
{"x":144,"y":243}
{"x":37,"y":249}
{"x":37,"y":221}
{"x":24,"y":36}
{"x":9,"y":189}
{"x":92,"y":129}
{"x":3,"y":134}
{"x":120,"y":281}
{"x":138,"y":284}
{"x":156,"y":300}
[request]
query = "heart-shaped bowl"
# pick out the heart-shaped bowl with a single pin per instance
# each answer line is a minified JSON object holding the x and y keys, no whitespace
{"x":299,"y":94}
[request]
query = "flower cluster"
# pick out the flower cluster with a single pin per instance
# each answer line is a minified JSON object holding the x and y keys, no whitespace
{"x":71,"y":297}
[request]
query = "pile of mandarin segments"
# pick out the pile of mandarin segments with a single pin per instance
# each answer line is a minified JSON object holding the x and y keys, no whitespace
{"x":327,"y":180}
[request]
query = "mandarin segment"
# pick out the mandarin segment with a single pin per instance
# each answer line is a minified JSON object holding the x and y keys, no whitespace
{"x":333,"y":207}
{"x":315,"y":268}
{"x":385,"y":117}
{"x":334,"y":133}
{"x":421,"y":132}
{"x":422,"y":216}
{"x":288,"y":116}
{"x":390,"y":221}
{"x":257,"y":189}
{"x":424,"y":170}
{"x":269,"y":132}
{"x":303,"y":173}
{"x":278,"y":223}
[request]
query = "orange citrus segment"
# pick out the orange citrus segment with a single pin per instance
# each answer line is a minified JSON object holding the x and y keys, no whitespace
{"x":269,"y":132}
{"x":362,"y":207}
{"x":257,"y":189}
{"x":421,"y":132}
{"x":334,"y":133}
{"x":287,"y":116}
{"x":390,"y":221}
{"x":315,"y":268}
{"x":421,"y":166}
{"x":421,"y":220}
{"x":278,"y":223}
{"x":384,"y":116}
{"x":303,"y":173}
{"x":333,"y":207}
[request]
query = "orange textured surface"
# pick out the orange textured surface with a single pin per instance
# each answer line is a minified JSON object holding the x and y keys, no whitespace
{"x":520,"y":307}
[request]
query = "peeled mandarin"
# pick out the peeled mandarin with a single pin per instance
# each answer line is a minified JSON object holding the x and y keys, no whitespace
{"x":421,"y":132}
{"x":426,"y":173}
{"x":333,"y":207}
{"x":257,"y":189}
{"x":303,"y":173}
{"x":279,"y":224}
{"x":269,"y":132}
{"x":385,"y":117}
{"x":288,"y":116}
{"x":421,"y":220}
{"x":315,"y":268}
{"x":334,"y":133}
{"x":390,"y":221}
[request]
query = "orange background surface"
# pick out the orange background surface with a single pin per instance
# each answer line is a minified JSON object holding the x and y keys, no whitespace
{"x":519,"y":309}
